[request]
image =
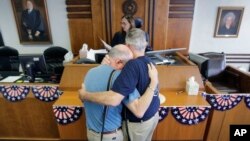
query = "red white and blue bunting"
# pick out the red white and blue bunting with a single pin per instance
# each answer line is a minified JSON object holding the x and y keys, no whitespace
{"x":223,"y":102}
{"x":46,"y":93}
{"x":163,"y":112}
{"x":190,"y":115}
{"x":67,"y":114}
{"x":247,"y":101}
{"x":14,"y":93}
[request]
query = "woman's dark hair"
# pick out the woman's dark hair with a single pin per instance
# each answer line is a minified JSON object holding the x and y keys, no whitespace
{"x":130,"y":20}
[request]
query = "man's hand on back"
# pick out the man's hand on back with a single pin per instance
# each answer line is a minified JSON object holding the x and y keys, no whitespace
{"x":82,"y":92}
{"x":153,"y":75}
{"x":106,"y":60}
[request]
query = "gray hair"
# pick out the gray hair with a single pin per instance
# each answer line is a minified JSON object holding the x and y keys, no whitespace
{"x":229,"y":14}
{"x":136,"y":38}
{"x":121,"y":52}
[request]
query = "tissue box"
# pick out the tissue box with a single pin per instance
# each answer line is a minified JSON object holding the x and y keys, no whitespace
{"x":192,"y":88}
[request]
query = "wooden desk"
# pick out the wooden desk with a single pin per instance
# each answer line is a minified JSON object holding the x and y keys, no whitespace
{"x":168,"y":129}
{"x":177,"y":99}
{"x":29,"y":119}
{"x":172,"y":79}
{"x":221,"y":120}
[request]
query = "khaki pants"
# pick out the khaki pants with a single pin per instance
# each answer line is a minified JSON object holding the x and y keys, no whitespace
{"x":93,"y":136}
{"x":141,"y":131}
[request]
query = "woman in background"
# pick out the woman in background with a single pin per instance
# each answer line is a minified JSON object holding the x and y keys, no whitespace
{"x":127,"y":22}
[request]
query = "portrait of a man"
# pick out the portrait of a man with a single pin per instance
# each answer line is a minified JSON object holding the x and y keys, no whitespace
{"x":228,"y":21}
{"x":32,"y":21}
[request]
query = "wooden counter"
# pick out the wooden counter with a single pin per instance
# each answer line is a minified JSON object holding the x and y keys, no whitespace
{"x":31,"y":119}
{"x":28,"y":119}
{"x":172,"y":80}
{"x":164,"y":130}
{"x":221,"y":120}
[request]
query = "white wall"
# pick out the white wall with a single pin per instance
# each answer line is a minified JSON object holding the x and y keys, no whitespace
{"x":202,"y":36}
{"x":58,"y":24}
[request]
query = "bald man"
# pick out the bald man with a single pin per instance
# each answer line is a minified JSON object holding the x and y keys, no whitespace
{"x":96,"y":80}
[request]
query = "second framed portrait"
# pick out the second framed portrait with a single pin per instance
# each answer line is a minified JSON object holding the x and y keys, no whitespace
{"x":32,"y":21}
{"x":228,"y":21}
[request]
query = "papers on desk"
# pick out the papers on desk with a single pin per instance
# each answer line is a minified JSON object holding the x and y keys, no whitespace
{"x":11,"y":79}
{"x":91,"y":53}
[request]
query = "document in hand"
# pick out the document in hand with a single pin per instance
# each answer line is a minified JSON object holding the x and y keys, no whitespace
{"x":107,"y":46}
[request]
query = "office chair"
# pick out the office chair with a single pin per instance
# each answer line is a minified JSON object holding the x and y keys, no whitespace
{"x":139,"y":24}
{"x":217,"y":73}
{"x":216,"y":63}
{"x":9,"y":59}
{"x":54,"y":57}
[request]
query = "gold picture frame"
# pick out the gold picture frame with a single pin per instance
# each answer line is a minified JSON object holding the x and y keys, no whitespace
{"x":32,"y":21}
{"x":228,"y":22}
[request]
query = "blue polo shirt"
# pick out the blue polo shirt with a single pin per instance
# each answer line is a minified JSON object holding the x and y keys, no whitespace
{"x":135,"y":76}
{"x":96,"y":80}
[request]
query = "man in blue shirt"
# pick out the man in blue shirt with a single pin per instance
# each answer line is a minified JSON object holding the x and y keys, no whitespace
{"x":134,"y":75}
{"x":96,"y":80}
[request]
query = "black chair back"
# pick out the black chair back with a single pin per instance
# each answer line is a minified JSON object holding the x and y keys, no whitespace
{"x":216,"y":63}
{"x":54,"y":57}
{"x":9,"y":60}
{"x":55,"y":53}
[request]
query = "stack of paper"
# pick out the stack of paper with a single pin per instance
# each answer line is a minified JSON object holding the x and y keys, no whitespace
{"x":91,"y":53}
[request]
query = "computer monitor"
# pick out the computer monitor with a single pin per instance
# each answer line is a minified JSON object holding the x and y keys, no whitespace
{"x":159,"y":56}
{"x":201,"y":62}
{"x":33,"y":65}
{"x":99,"y":57}
{"x":164,"y":52}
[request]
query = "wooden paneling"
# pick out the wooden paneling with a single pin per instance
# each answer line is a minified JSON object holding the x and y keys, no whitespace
{"x":171,"y":80}
{"x":168,"y":22}
{"x":160,"y":24}
{"x":28,"y":119}
{"x":182,"y":1}
{"x":238,"y":115}
{"x":86,"y":23}
{"x":221,"y":121}
{"x":77,"y":129}
{"x":116,"y":14}
{"x":79,"y":16}
{"x":78,"y":9}
{"x":181,"y":8}
{"x":98,"y":22}
{"x":179,"y":32}
{"x":74,"y":72}
{"x":78,"y":2}
{"x":81,"y":31}
{"x":171,"y":130}
{"x":244,"y":81}
{"x":180,"y":78}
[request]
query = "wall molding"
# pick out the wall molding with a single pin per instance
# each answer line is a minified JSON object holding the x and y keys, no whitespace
{"x":238,"y":58}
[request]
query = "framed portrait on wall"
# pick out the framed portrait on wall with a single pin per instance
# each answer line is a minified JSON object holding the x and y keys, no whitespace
{"x":32,"y":21}
{"x":228,"y":21}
